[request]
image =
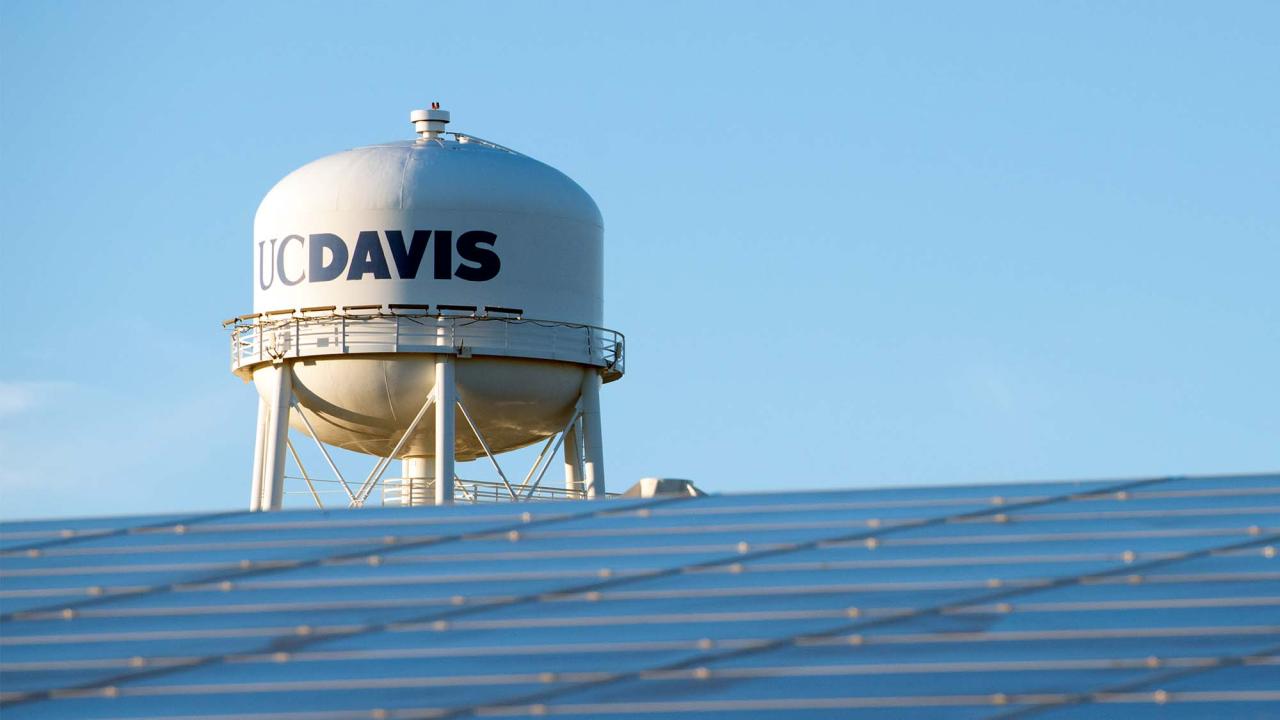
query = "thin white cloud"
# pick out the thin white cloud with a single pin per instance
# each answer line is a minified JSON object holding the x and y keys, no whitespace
{"x":17,"y":397}
{"x":86,"y":450}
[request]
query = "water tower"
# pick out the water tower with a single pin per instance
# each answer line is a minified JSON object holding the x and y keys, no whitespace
{"x":427,"y":301}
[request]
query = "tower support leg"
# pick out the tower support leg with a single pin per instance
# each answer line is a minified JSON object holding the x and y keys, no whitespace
{"x":446,"y":399}
{"x":415,"y":488}
{"x":572,"y":461}
{"x":278,"y":401}
{"x":592,"y":435}
{"x":259,"y":447}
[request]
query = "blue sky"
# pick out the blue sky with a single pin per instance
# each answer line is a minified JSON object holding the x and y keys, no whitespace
{"x":850,"y":244}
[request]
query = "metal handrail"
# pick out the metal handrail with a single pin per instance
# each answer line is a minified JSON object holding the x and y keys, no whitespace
{"x":483,"y":491}
{"x":271,"y":337}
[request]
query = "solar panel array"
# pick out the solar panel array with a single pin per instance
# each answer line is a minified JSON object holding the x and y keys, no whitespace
{"x":1146,"y":598}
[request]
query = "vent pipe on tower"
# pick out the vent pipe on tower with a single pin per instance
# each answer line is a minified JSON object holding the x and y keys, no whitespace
{"x":429,"y":123}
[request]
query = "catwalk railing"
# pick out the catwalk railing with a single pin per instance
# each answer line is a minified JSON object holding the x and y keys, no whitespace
{"x":475,"y":491}
{"x":269,"y":337}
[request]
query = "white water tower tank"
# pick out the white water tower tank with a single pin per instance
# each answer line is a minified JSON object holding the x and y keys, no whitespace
{"x":441,"y":271}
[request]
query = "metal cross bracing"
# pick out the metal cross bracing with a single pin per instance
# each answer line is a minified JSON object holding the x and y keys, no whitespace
{"x":395,"y":491}
{"x":430,"y":476}
{"x":946,"y":602}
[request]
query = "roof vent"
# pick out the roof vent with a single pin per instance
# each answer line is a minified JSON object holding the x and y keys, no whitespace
{"x":429,"y":123}
{"x":663,"y":487}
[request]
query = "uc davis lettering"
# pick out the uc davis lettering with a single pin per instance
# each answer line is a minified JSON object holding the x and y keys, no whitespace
{"x":328,"y":257}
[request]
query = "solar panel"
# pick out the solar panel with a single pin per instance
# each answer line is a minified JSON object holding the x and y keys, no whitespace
{"x":1157,"y":597}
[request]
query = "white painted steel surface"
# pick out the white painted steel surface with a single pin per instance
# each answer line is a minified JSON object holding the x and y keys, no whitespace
{"x":380,"y":270}
{"x":446,"y":407}
{"x":416,"y":483}
{"x":548,"y":232}
{"x":593,"y":439}
{"x":278,"y":391}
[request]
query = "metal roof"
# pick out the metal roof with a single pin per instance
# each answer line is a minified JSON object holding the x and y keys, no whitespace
{"x":1143,"y":598}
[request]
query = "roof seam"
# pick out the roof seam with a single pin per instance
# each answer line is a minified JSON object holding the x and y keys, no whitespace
{"x":116,"y":532}
{"x":292,"y":643}
{"x":540,"y":698}
{"x":241,"y":573}
{"x":1220,"y":663}
{"x":47,"y":694}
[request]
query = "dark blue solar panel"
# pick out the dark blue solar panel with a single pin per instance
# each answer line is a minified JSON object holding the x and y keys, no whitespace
{"x":979,"y":601}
